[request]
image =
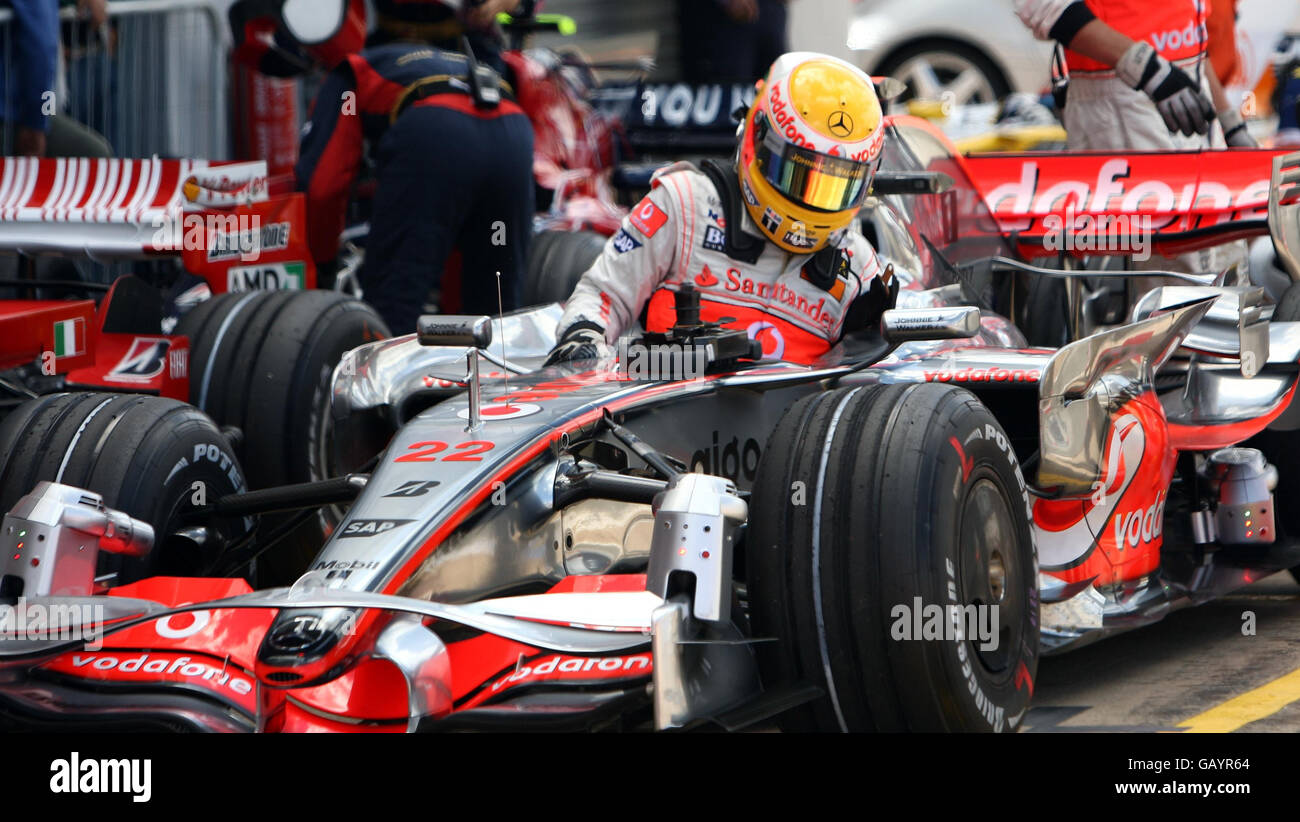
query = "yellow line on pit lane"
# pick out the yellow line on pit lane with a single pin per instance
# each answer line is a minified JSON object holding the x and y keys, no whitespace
{"x":1241,"y":710}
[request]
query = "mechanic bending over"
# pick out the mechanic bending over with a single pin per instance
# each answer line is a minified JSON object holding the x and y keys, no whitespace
{"x":1138,"y":74}
{"x":454,"y":169}
{"x":769,"y":240}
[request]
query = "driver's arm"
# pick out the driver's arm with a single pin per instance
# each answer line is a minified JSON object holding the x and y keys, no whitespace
{"x":636,"y":260}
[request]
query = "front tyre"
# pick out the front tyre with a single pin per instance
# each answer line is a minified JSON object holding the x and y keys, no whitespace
{"x":151,"y":457}
{"x":877,"y":510}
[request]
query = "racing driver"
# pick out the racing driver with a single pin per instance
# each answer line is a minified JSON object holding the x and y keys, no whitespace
{"x":769,"y":242}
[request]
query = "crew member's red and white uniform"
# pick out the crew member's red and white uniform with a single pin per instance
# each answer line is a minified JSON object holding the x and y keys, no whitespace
{"x":1102,"y":112}
{"x":676,"y":235}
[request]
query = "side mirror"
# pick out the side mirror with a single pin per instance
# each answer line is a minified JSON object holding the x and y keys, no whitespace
{"x":900,"y":325}
{"x":454,"y":329}
{"x":312,"y":22}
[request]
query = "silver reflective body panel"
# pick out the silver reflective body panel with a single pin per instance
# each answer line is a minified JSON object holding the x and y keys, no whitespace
{"x":1084,"y":381}
{"x":436,"y":473}
{"x":52,"y":539}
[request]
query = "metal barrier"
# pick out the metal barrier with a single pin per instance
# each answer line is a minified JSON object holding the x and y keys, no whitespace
{"x":152,"y":80}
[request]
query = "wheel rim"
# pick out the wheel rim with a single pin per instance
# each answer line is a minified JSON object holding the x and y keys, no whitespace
{"x":944,"y":76}
{"x":990,"y":574}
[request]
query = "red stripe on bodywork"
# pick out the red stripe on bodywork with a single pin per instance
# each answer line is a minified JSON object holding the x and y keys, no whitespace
{"x":1208,"y":437}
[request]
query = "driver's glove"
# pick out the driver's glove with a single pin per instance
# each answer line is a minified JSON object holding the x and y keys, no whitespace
{"x":582,"y":341}
{"x":1181,"y":102}
{"x":1234,"y":129}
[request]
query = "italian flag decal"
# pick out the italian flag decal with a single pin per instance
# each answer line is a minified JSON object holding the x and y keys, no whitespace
{"x":70,"y":337}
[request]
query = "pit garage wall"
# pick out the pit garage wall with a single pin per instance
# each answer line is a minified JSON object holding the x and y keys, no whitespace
{"x":623,"y":29}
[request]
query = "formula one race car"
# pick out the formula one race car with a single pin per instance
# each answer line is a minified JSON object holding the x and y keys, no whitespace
{"x":886,"y":539}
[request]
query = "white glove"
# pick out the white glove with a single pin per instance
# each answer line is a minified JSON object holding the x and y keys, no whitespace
{"x":1234,"y":129}
{"x":1183,"y":105}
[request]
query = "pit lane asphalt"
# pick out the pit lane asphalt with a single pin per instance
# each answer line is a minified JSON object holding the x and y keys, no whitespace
{"x":1193,"y":671}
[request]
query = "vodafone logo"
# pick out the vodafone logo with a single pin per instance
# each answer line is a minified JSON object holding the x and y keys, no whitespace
{"x":647,"y":217}
{"x":1141,"y":526}
{"x":503,"y":411}
{"x":770,"y":337}
{"x":179,"y":626}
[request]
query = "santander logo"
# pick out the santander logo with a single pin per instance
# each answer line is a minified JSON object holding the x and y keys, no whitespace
{"x":705,"y":278}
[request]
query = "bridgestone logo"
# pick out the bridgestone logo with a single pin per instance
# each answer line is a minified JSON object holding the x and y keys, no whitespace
{"x":248,"y":242}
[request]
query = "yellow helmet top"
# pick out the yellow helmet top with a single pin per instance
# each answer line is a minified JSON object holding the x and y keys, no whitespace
{"x":810,"y":147}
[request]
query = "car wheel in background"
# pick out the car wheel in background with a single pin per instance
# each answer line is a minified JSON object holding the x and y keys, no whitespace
{"x":262,"y":362}
{"x":935,"y":68}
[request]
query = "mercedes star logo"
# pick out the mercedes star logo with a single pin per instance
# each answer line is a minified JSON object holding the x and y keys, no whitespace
{"x":840,"y":124}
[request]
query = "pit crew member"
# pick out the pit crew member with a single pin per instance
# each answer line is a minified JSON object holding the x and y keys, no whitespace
{"x":453,"y":171}
{"x":768,"y":241}
{"x":1139,"y":78}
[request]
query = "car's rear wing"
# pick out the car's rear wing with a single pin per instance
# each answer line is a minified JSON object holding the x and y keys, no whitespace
{"x":1091,"y":203}
{"x":114,"y":207}
{"x":223,"y":219}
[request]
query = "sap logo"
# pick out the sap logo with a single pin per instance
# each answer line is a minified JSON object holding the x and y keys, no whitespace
{"x":714,"y":238}
{"x":624,"y":242}
{"x":144,"y":360}
{"x":371,"y":527}
{"x":1140,"y":526}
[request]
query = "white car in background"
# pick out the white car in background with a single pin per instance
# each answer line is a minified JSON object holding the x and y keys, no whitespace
{"x":955,"y":50}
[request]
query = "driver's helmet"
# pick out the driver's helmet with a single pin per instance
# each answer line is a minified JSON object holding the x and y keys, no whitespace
{"x":809,"y":149}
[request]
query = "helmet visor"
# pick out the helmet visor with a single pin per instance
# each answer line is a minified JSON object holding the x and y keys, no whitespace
{"x":809,"y":177}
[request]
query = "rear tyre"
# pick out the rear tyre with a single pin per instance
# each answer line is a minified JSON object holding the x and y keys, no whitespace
{"x":867,"y":500}
{"x":556,"y":261}
{"x":147,"y":456}
{"x":262,"y":363}
{"x":1045,"y":319}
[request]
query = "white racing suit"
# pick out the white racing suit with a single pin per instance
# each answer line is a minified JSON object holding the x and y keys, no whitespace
{"x":1103,"y":113}
{"x":795,"y":305}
